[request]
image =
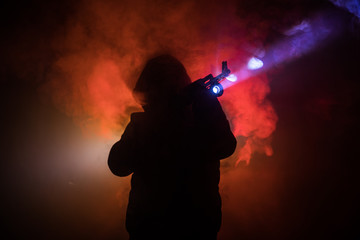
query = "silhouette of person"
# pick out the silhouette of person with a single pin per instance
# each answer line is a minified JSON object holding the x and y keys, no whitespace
{"x":173,"y":151}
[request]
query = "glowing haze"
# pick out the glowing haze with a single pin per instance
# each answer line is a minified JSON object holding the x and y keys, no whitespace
{"x":81,"y":60}
{"x":105,"y":46}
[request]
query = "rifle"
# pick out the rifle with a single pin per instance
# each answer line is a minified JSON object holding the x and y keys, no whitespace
{"x":213,"y":83}
{"x":209,"y":83}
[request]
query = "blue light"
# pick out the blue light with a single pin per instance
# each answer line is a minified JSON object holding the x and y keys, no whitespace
{"x":255,"y":63}
{"x":352,"y":6}
{"x":216,"y":89}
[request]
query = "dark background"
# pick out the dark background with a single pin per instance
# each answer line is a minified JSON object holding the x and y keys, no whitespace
{"x":313,"y":173}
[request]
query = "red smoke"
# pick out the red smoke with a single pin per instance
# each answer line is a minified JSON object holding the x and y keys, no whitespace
{"x":106,"y":44}
{"x":67,"y":73}
{"x":101,"y":51}
{"x":86,"y":57}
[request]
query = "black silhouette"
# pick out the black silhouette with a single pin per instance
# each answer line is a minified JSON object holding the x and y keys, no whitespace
{"x":174,"y":153}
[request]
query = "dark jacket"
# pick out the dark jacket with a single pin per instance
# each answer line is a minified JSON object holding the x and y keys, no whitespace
{"x":174,"y":156}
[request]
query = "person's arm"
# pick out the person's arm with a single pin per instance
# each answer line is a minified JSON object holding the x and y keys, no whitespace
{"x":218,"y":139}
{"x":122,"y":155}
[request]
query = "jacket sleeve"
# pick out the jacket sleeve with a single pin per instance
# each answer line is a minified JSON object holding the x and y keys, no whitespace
{"x":122,"y":156}
{"x":218,"y":140}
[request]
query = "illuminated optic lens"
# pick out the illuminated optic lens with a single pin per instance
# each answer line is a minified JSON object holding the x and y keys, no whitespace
{"x":216,"y":89}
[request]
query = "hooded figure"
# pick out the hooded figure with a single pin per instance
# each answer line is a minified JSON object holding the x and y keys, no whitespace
{"x":173,"y":152}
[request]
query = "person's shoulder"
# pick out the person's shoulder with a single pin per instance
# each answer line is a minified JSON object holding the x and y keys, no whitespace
{"x":137,"y":115}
